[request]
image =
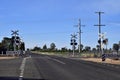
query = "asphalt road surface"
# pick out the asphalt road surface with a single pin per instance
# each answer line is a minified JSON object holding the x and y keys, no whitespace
{"x":46,"y":67}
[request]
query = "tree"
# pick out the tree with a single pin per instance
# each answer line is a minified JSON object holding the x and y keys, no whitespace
{"x":110,"y":50}
{"x":6,"y":43}
{"x":87,"y":48}
{"x":52,"y":46}
{"x":116,"y":47}
{"x":45,"y":47}
{"x":63,"y":49}
{"x":94,"y":50}
{"x":81,"y":47}
{"x":22,"y":46}
{"x":36,"y":48}
{"x":98,"y":47}
{"x":1,"y":48}
{"x":119,"y":43}
{"x":0,"y":45}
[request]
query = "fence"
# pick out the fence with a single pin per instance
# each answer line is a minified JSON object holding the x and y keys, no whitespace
{"x":13,"y":53}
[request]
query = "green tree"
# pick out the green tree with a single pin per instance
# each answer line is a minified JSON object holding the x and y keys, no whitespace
{"x":45,"y":47}
{"x":119,"y":43}
{"x":116,"y":47}
{"x":93,"y":49}
{"x":64,"y":49}
{"x":110,"y":50}
{"x":87,"y":48}
{"x":1,"y":48}
{"x":0,"y":45}
{"x":36,"y":48}
{"x":52,"y":46}
{"x":98,"y":47}
{"x":6,"y":43}
{"x":22,"y":46}
{"x":81,"y":47}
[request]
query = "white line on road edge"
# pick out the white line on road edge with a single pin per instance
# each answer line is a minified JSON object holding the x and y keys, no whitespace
{"x":58,"y":61}
{"x":22,"y":67}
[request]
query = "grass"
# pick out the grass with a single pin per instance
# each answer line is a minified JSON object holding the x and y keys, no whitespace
{"x":85,"y":54}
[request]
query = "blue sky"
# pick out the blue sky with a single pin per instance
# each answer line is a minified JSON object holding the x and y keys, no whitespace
{"x":45,"y":21}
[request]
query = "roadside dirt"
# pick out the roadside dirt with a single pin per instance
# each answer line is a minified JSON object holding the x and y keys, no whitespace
{"x":99,"y":60}
{"x":7,"y":58}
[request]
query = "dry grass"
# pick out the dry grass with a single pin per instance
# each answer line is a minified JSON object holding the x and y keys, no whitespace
{"x":7,"y":58}
{"x":99,"y":60}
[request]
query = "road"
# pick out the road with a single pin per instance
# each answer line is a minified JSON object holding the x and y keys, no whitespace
{"x":46,"y":67}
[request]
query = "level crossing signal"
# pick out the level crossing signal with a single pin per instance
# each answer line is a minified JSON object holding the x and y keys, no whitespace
{"x":15,"y":39}
{"x":73,"y":42}
{"x":99,"y":41}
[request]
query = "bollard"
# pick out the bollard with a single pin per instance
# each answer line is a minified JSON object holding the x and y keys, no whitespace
{"x":103,"y":57}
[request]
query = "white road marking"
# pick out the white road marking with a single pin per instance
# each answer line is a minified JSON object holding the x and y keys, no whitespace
{"x":58,"y":61}
{"x":22,"y":67}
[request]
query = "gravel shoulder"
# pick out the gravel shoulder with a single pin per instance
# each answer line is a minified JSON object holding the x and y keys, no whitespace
{"x":99,"y":60}
{"x":1,"y":58}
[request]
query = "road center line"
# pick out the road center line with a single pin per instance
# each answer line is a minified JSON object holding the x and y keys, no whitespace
{"x":22,"y":67}
{"x":58,"y":61}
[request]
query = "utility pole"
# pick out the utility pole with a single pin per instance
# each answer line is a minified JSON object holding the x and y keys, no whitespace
{"x":99,"y":25}
{"x":15,"y":34}
{"x":79,"y":34}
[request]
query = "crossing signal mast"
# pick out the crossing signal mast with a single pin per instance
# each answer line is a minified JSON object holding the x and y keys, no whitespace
{"x":15,"y":39}
{"x":73,"y":42}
